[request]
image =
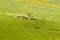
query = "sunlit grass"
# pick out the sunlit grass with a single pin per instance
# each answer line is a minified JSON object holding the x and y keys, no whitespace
{"x":36,"y":2}
{"x":16,"y":29}
{"x":12,"y":28}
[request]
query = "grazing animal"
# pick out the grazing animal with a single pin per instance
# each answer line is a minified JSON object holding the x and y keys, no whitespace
{"x":30,"y":17}
{"x":22,"y":17}
{"x":33,"y":18}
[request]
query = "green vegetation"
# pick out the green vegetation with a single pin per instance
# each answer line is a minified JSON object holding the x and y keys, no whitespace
{"x":25,"y":8}
{"x":16,"y":29}
{"x":12,"y":28}
{"x":52,"y":1}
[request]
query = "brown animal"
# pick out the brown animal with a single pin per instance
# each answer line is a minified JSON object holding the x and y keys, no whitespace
{"x":30,"y":17}
{"x":22,"y":17}
{"x":33,"y":18}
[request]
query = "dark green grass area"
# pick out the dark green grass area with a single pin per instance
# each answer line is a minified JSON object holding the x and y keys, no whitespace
{"x":16,"y":29}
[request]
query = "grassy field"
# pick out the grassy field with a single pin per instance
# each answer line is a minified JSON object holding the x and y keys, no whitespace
{"x":15,"y":29}
{"x":38,"y":11}
{"x":12,"y":28}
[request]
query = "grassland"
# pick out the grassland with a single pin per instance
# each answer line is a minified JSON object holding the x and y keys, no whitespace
{"x":51,"y":13}
{"x":15,"y":29}
{"x":12,"y":28}
{"x":38,"y":2}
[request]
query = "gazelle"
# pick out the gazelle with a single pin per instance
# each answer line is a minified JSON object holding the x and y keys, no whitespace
{"x":30,"y":17}
{"x":22,"y":17}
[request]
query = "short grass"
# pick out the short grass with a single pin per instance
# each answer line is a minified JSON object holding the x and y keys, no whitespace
{"x":50,"y":13}
{"x":16,"y":29}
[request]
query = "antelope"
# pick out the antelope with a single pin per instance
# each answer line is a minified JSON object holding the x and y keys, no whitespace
{"x":22,"y":17}
{"x":30,"y":17}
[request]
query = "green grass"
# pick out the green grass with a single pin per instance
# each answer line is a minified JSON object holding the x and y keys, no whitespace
{"x":25,"y":8}
{"x":16,"y":29}
{"x":52,"y":1}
